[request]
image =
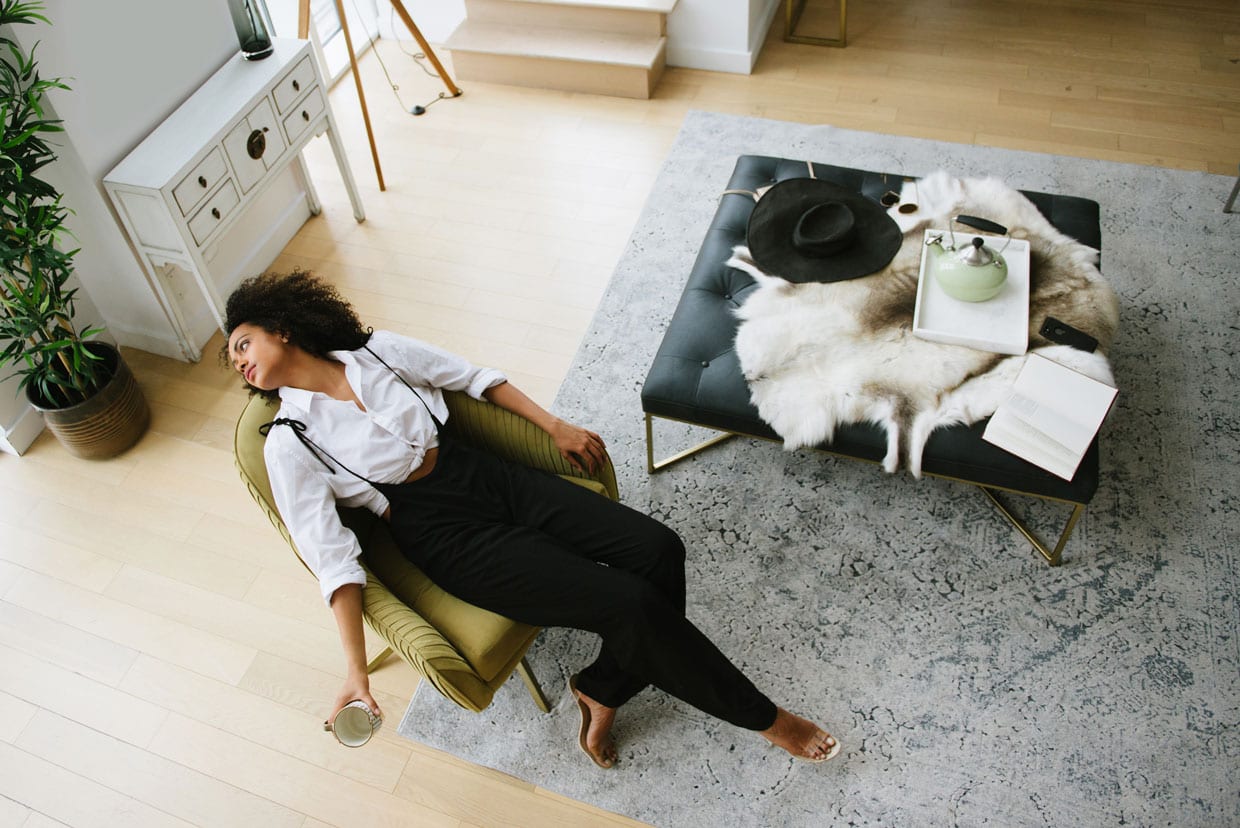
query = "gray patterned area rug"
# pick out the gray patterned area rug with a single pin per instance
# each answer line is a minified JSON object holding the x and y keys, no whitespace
{"x":970,"y":683}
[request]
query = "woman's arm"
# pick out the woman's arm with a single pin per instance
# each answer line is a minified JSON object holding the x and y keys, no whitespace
{"x":584,"y":449}
{"x":347,"y":607}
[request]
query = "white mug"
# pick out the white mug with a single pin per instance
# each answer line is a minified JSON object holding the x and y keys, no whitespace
{"x":354,"y":724}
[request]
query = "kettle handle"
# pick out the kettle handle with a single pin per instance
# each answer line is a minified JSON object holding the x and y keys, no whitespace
{"x":985,"y":225}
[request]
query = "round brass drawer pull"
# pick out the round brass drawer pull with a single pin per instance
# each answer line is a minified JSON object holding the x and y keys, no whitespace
{"x":256,"y":144}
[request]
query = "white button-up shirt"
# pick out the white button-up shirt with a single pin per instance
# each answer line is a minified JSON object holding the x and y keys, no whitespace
{"x":384,"y":443}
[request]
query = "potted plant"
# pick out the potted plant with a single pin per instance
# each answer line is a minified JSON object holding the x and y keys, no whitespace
{"x":87,"y":394}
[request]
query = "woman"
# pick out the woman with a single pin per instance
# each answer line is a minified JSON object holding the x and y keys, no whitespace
{"x":360,"y":423}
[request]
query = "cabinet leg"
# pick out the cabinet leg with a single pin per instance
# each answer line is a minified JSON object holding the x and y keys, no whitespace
{"x":347,"y":174}
{"x":312,"y":196}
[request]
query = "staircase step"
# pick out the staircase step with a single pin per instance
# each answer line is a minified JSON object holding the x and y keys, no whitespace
{"x":619,"y":16}
{"x":658,"y":6}
{"x":556,"y":58}
{"x":661,"y":6}
{"x":556,"y":43}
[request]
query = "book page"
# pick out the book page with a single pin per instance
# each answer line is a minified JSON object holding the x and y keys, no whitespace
{"x":1051,"y":416}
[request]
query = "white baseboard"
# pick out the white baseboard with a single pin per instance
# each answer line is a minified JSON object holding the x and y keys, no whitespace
{"x":18,"y":436}
{"x":712,"y":60}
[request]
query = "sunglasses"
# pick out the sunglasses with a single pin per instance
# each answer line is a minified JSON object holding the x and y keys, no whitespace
{"x":892,"y":198}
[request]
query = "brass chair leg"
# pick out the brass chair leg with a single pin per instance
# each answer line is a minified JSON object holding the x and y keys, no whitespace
{"x":1052,"y":556}
{"x":792,"y":16}
{"x":1231,"y":199}
{"x":377,"y":660}
{"x":531,"y":684}
{"x":652,"y":466}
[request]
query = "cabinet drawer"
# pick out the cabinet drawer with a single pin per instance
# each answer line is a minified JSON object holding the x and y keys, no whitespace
{"x":293,"y":85}
{"x":300,"y":118}
{"x":200,"y":181}
{"x":214,"y":212}
{"x":254,"y":145}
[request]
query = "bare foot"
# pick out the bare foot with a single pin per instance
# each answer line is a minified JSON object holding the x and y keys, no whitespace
{"x":801,"y":737}
{"x":595,"y":734}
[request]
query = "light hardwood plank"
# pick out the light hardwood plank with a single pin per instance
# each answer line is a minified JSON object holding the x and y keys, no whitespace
{"x":15,"y":714}
{"x":243,"y":541}
{"x":39,"y":551}
{"x":152,"y":780}
{"x":293,"y":595}
{"x":78,"y":494}
{"x":129,"y":626}
{"x":175,"y":421}
{"x":119,"y":543}
{"x":230,"y":620}
{"x":490,"y":798}
{"x":266,"y":721}
{"x":86,"y":701}
{"x":288,"y":780}
{"x":38,"y":820}
{"x":9,"y":573}
{"x":42,"y":786}
{"x":312,"y":691}
{"x":12,"y":813}
{"x":79,"y":651}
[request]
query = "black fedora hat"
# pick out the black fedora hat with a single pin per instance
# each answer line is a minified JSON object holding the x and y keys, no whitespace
{"x":808,"y":230}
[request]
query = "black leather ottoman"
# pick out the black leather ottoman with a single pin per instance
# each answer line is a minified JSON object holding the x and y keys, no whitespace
{"x":696,"y":377}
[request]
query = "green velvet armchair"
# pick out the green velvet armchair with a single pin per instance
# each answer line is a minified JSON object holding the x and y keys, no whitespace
{"x":465,"y":652}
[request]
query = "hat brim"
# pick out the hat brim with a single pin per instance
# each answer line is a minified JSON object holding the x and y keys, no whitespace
{"x":774,"y":218}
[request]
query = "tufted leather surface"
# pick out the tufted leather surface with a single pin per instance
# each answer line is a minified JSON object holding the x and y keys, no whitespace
{"x":696,"y":376}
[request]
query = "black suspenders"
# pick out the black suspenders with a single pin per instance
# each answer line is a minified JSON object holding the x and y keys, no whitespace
{"x":299,"y":427}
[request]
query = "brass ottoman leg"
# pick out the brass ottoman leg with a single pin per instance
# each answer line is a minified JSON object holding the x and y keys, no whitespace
{"x":653,"y":466}
{"x":1052,"y":556}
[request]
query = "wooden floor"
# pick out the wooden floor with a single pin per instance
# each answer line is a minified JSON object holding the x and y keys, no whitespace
{"x":165,"y":659}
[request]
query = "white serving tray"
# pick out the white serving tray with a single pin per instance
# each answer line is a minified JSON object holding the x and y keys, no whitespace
{"x":1000,"y":325}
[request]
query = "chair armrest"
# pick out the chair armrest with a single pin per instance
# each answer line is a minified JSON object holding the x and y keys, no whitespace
{"x":420,"y":644}
{"x":515,"y":438}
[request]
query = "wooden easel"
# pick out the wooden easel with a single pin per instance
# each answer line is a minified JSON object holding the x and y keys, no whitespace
{"x":303,"y":32}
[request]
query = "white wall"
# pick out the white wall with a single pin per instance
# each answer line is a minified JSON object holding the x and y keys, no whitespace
{"x":129,"y":63}
{"x":719,"y":35}
{"x":435,"y":19}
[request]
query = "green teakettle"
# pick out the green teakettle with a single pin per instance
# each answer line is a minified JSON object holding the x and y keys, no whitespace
{"x":974,"y":272}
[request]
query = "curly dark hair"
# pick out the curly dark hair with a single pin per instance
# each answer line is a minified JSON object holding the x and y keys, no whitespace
{"x":299,"y":305}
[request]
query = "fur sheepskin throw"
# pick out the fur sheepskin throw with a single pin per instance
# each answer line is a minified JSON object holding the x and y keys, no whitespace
{"x":817,"y":355}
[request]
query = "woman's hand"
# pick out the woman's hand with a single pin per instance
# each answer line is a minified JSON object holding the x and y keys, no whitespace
{"x":347,"y":607}
{"x":582,"y":448}
{"x":355,"y":687}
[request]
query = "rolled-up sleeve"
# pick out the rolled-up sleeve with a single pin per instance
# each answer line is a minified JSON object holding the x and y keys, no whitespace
{"x":430,"y":365}
{"x":307,"y":505}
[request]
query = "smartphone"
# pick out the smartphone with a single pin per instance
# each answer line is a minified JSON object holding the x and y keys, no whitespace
{"x":1062,"y":333}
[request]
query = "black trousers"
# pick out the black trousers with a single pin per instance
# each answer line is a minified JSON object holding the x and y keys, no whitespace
{"x":538,"y":549}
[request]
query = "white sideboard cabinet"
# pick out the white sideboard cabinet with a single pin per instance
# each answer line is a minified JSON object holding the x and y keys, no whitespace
{"x":178,"y":192}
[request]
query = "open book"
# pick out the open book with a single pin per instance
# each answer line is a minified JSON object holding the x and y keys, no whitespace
{"x":1051,"y":417}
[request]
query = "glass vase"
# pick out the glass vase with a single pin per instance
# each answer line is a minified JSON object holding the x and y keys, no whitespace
{"x":251,"y":30}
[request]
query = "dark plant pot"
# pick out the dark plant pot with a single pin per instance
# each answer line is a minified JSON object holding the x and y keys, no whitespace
{"x":107,"y":423}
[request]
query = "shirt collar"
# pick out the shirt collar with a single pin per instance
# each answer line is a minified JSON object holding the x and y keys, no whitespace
{"x":302,"y":399}
{"x":299,"y":398}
